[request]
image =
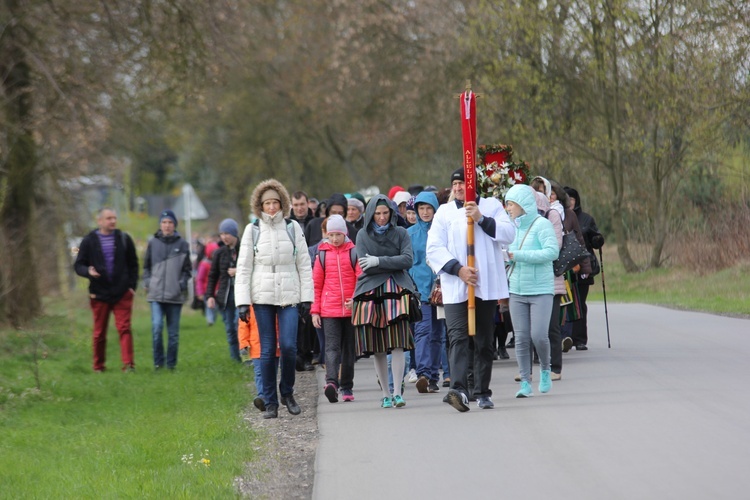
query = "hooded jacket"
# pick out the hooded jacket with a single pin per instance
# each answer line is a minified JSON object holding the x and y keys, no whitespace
{"x":335,"y":284}
{"x":224,"y":258}
{"x":107,"y":288}
{"x":167,"y":269}
{"x":588,"y":230}
{"x":313,"y":229}
{"x":421,"y":272}
{"x":531,"y":267}
{"x":392,"y":248}
{"x":275,"y":271}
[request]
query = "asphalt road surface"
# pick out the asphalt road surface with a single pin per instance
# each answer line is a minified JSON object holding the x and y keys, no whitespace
{"x":664,"y":413}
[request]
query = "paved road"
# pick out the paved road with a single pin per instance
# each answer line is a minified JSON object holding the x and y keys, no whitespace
{"x":664,"y":413}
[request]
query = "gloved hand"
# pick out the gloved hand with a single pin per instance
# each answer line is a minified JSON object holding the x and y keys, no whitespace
{"x":244,"y":313}
{"x":368,"y":261}
{"x":303,"y":308}
{"x":597,"y":241}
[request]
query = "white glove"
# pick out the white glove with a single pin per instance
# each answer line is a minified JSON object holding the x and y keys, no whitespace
{"x":368,"y":261}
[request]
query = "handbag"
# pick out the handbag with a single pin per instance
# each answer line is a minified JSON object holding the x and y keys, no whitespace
{"x":415,"y":308}
{"x":572,"y":253}
{"x":436,"y":294}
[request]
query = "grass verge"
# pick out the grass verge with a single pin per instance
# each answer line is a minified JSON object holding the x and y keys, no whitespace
{"x":724,"y":292}
{"x":126,"y":435}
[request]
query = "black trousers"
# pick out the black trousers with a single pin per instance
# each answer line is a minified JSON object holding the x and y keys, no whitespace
{"x":461,"y":355}
{"x":580,"y":327}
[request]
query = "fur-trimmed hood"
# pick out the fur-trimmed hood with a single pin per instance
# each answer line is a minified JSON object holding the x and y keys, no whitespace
{"x":257,"y":207}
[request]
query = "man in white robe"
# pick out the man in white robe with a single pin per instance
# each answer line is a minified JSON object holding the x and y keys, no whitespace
{"x":447,"y":255}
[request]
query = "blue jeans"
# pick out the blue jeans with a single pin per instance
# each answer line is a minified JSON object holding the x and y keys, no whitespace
{"x":231,"y":316}
{"x":210,"y":315}
{"x":428,"y":335}
{"x":266,"y":316}
{"x":258,"y":377}
{"x":407,"y":360}
{"x":171,"y":312}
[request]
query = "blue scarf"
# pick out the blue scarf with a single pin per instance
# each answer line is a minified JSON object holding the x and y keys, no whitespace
{"x":380,"y":229}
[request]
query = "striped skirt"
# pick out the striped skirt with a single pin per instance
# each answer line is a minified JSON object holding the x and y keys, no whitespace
{"x":381,"y":320}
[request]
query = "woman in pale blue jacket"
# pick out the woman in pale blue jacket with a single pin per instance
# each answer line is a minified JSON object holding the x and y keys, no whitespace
{"x":531,"y":282}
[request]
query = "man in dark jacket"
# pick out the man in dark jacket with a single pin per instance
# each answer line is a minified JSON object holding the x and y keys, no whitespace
{"x":301,"y":211}
{"x":166,"y":272}
{"x":223,"y":269}
{"x":107,"y":258}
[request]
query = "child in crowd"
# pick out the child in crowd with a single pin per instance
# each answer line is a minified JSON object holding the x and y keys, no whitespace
{"x":335,"y":276}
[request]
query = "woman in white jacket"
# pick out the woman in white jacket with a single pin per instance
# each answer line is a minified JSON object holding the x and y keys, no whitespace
{"x":274,"y":275}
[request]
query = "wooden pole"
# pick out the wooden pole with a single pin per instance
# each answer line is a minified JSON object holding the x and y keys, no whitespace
{"x":469,"y":130}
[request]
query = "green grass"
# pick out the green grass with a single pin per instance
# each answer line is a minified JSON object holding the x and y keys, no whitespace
{"x":723,"y":292}
{"x":119,"y":435}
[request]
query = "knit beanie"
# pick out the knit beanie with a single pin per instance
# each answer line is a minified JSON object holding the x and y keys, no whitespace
{"x":168,"y":214}
{"x":229,"y":226}
{"x":270,"y":194}
{"x":457,"y":175}
{"x":354,"y":202}
{"x":336,"y":224}
{"x":410,"y":204}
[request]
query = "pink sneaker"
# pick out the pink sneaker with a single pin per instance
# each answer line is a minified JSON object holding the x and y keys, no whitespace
{"x":347,"y":395}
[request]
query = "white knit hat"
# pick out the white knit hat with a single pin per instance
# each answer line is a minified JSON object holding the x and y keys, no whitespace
{"x":336,"y":224}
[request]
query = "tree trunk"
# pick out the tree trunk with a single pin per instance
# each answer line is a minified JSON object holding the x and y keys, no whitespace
{"x":16,"y":213}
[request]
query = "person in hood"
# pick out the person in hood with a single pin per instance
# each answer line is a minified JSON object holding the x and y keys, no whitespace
{"x":428,"y":333}
{"x":381,"y":297}
{"x":337,"y":204}
{"x":594,"y":240}
{"x":107,"y":258}
{"x":531,"y":281}
{"x":274,"y":275}
{"x":447,"y":256}
{"x":166,"y":272}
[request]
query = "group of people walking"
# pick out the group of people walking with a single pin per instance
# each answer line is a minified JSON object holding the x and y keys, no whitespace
{"x":361,"y":279}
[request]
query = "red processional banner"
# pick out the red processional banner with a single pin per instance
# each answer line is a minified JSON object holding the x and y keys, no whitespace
{"x":469,"y":133}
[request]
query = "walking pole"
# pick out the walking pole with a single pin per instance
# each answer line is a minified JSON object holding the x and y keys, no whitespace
{"x":604,"y":292}
{"x":469,"y":135}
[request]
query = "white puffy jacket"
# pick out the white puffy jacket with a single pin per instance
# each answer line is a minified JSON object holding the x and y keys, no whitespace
{"x":276,"y":274}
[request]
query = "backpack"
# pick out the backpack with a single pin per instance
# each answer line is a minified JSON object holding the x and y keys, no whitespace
{"x":289,"y":231}
{"x":352,"y":257}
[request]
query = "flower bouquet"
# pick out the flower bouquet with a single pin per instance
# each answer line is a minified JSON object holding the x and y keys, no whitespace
{"x":496,"y":171}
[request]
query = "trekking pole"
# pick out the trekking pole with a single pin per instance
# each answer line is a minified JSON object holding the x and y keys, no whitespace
{"x":604,"y":292}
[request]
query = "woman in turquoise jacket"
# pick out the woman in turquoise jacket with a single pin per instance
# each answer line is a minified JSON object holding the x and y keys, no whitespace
{"x":531,"y":282}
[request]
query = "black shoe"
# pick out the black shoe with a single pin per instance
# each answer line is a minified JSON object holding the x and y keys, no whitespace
{"x":581,"y":347}
{"x":307,"y":366}
{"x":282,"y":400}
{"x":503,"y":353}
{"x":512,"y":343}
{"x":447,"y":383}
{"x":433,"y":386}
{"x":567,"y":343}
{"x":259,"y":403}
{"x":292,"y":406}
{"x":272,"y":411}
{"x":495,"y":356}
{"x":457,"y":400}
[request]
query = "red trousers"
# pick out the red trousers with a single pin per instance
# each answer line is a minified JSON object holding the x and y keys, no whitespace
{"x":123,"y":310}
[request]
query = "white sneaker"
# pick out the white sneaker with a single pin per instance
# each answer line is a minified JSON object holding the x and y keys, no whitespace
{"x":412,"y":376}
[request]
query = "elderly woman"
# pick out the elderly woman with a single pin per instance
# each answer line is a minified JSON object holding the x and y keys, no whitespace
{"x":274,"y":274}
{"x":381,"y":297}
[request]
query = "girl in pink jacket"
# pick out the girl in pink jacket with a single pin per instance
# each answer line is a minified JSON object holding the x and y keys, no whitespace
{"x":335,"y":276}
